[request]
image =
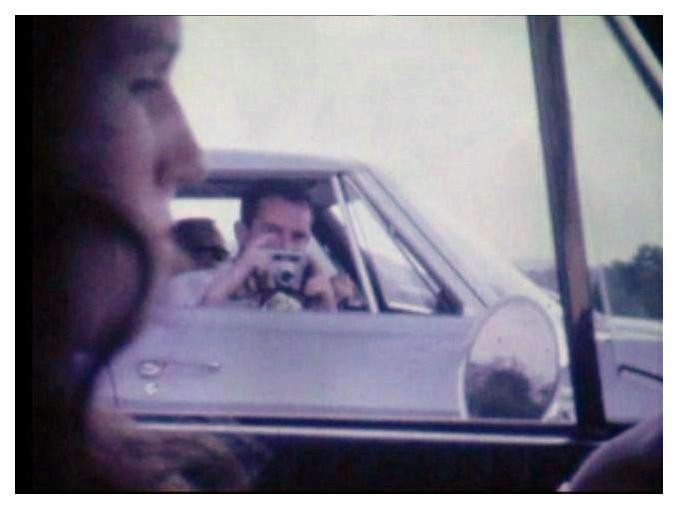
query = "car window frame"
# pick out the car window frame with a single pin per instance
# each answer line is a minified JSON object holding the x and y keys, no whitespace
{"x":442,"y":265}
{"x":409,"y":254}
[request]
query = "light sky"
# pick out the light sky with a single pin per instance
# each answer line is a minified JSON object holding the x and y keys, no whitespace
{"x":445,"y":106}
{"x":618,"y":142}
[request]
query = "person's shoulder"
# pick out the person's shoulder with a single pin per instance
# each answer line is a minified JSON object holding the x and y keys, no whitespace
{"x":195,"y":275}
{"x":188,"y":288}
{"x":202,"y":275}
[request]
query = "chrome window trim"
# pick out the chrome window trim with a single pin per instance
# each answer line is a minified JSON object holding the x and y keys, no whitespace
{"x":353,"y":245}
{"x":467,"y":288}
{"x":410,"y":308}
{"x":465,"y":437}
{"x":462,"y":291}
{"x":403,"y":248}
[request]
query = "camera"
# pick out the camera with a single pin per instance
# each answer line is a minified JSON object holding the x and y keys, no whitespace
{"x":286,"y":271}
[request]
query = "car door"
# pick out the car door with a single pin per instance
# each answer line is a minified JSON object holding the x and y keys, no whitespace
{"x":252,"y":363}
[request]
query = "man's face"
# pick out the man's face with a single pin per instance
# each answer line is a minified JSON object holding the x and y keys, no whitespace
{"x":287,"y":223}
{"x":127,"y":140}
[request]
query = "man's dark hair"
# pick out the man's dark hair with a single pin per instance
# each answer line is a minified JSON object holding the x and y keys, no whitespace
{"x":285,"y":189}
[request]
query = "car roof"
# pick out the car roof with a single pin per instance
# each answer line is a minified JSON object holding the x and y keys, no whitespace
{"x":227,"y":162}
{"x":230,"y":173}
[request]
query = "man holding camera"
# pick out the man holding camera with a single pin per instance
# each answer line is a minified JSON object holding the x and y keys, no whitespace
{"x":272,"y":269}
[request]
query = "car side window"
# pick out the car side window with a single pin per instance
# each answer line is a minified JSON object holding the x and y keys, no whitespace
{"x":224,"y":211}
{"x":402,"y":284}
{"x":618,"y":150}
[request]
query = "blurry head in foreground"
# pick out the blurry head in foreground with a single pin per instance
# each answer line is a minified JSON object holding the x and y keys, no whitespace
{"x":107,"y":121}
{"x":110,"y":148}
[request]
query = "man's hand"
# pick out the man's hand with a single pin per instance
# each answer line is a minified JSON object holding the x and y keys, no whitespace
{"x":319,"y":288}
{"x":345,"y":290}
{"x":254,"y":260}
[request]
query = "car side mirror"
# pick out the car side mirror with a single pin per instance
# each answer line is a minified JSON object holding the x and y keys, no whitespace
{"x":512,"y":368}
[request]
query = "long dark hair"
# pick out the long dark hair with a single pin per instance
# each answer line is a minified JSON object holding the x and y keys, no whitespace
{"x":84,"y":248}
{"x":66,"y":223}
{"x":72,"y":341}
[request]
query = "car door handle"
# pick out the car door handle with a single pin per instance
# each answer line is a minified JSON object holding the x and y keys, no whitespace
{"x":154,"y":368}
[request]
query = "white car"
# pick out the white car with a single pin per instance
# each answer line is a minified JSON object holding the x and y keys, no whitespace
{"x":400,"y":355}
